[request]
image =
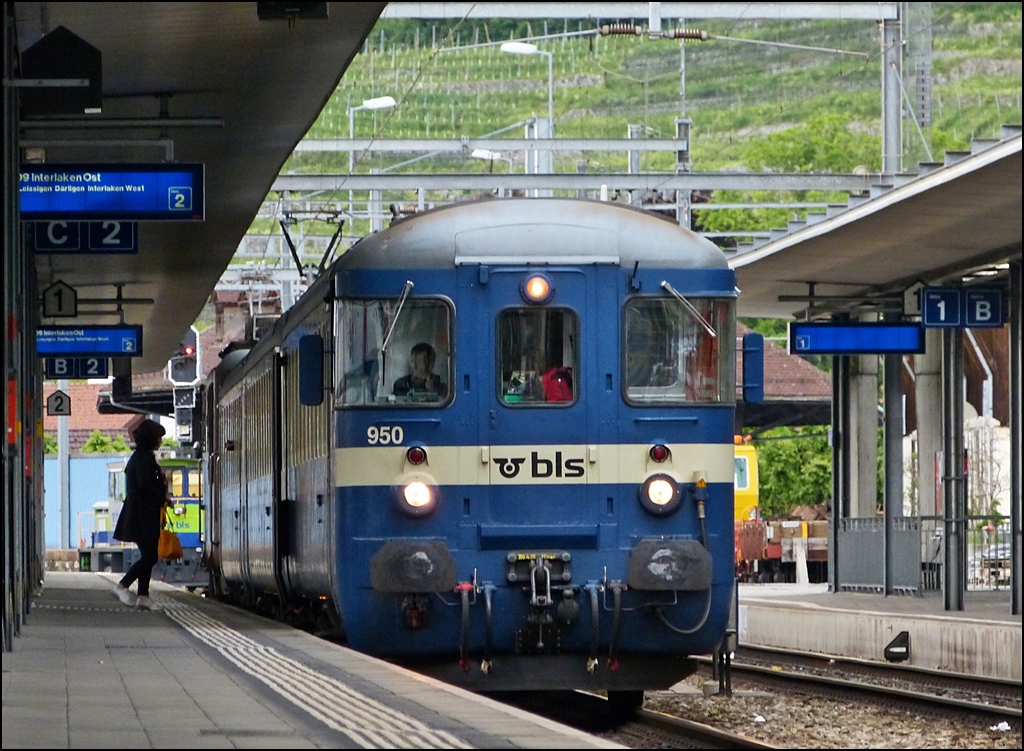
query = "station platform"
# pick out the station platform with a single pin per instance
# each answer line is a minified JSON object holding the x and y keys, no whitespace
{"x":983,"y":640}
{"x":89,"y":672}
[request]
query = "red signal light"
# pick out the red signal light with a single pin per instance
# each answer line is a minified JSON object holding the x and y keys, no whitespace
{"x":189,"y":351}
{"x":659,"y":453}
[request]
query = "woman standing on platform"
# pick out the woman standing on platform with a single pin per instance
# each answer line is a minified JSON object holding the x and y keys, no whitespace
{"x":141,"y":517}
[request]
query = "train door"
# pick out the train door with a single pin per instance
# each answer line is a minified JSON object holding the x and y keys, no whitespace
{"x":534,"y":424}
{"x":259,"y":430}
{"x":230,"y":477}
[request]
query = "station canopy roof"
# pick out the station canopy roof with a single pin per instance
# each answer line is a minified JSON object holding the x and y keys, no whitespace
{"x":958,"y":222}
{"x":237,"y":93}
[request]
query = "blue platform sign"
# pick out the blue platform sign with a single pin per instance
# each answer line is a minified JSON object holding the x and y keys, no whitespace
{"x":84,"y":237}
{"x":56,"y":368}
{"x":826,"y":338}
{"x":118,"y":192}
{"x":983,"y":308}
{"x":941,"y":308}
{"x":962,"y":307}
{"x":89,"y":341}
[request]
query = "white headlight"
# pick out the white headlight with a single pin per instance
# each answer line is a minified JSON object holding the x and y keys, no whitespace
{"x":661,"y":492}
{"x":417,"y":495}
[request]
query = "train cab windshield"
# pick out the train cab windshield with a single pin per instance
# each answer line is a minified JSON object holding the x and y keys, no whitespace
{"x":393,"y":352}
{"x":670,"y":357}
{"x":538,"y":357}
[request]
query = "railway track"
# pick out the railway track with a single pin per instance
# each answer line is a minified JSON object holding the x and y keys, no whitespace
{"x":928,"y":692}
{"x":642,"y":729}
{"x":922,"y":693}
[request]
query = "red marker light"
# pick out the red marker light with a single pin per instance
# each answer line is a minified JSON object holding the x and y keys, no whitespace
{"x":659,"y":453}
{"x":416,"y":455}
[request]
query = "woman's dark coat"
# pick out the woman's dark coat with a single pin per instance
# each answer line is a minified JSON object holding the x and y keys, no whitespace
{"x":145,"y":493}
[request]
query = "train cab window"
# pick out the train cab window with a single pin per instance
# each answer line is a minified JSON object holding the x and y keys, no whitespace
{"x":742,"y":480}
{"x":669,"y":357}
{"x":182,"y":483}
{"x":538,"y":357}
{"x":393,"y":353}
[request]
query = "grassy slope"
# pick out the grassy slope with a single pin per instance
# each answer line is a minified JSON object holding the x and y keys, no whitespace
{"x":736,"y":93}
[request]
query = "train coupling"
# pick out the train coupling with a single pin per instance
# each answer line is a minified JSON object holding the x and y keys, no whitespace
{"x":540,"y":571}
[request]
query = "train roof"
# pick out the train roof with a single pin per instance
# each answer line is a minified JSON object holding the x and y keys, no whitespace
{"x":533,"y":231}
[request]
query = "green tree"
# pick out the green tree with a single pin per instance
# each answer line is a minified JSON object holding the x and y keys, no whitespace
{"x":795,"y":469}
{"x":49,"y":444}
{"x":101,"y":444}
{"x":824,"y":143}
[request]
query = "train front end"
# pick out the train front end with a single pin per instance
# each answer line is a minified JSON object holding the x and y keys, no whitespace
{"x":534,"y":460}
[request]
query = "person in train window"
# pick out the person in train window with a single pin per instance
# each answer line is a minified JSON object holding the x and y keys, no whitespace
{"x":140,"y":519}
{"x":421,"y":384}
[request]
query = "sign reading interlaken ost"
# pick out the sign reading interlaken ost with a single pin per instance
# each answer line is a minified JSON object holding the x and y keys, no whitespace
{"x":118,"y":192}
{"x":89,"y":341}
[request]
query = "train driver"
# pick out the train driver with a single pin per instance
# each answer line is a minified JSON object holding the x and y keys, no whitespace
{"x":421,"y":383}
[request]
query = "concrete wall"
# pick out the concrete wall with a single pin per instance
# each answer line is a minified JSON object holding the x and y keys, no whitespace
{"x":88,"y":480}
{"x":975,"y":647}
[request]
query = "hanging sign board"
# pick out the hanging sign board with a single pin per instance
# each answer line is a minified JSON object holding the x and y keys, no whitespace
{"x":89,"y":341}
{"x":855,"y":338}
{"x":56,"y":368}
{"x":117,"y":192}
{"x":962,"y":307}
{"x":84,"y":237}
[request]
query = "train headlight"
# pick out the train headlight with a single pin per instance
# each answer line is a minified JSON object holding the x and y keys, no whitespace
{"x":537,"y":289}
{"x":416,"y":494}
{"x":660,"y":494}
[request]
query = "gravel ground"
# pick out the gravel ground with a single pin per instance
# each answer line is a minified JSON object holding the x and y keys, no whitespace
{"x":799,"y":721}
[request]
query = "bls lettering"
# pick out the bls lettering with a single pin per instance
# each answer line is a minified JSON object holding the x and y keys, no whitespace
{"x":540,"y":467}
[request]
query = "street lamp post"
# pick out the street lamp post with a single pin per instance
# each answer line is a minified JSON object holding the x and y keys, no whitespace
{"x":490,"y":156}
{"x":378,"y":103}
{"x":525,"y":48}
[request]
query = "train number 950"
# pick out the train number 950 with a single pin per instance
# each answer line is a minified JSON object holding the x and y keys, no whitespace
{"x":385,"y":434}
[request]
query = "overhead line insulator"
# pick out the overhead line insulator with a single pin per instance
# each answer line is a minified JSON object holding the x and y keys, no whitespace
{"x":627,"y":29}
{"x":621,"y":29}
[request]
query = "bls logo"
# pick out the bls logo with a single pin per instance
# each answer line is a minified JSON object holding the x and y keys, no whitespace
{"x":541,"y":468}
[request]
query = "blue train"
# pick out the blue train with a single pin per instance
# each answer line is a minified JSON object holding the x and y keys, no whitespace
{"x":494,"y":443}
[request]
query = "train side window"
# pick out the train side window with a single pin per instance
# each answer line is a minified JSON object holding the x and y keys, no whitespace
{"x":538,"y":358}
{"x":670,"y":358}
{"x":368,"y":371}
{"x":742,"y":473}
{"x":175,"y":482}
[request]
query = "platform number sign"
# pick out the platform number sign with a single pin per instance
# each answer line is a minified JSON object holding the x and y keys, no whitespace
{"x":57,"y":368}
{"x":58,"y":403}
{"x":940,"y":307}
{"x":84,"y":237}
{"x":60,"y":301}
{"x":983,"y":308}
{"x":960,"y":307}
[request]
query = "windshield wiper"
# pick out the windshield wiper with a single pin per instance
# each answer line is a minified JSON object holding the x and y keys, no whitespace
{"x":401,"y":302}
{"x":689,"y":308}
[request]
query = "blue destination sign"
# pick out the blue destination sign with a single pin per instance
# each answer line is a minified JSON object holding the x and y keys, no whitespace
{"x":84,"y":237}
{"x":855,"y":338}
{"x":89,"y":341}
{"x":125,"y":192}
